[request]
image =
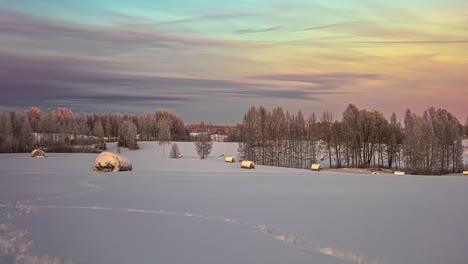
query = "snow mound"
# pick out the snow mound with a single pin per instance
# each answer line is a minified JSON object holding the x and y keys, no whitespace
{"x":107,"y":162}
{"x":38,"y":153}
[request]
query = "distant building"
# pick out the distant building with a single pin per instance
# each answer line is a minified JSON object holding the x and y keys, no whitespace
{"x":218,"y":133}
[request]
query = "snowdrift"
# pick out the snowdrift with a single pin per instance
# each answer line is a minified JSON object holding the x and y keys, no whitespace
{"x":107,"y":161}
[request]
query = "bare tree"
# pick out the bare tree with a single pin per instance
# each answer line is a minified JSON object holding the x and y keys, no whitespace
{"x":352,"y":136}
{"x":394,"y":140}
{"x":325,"y":127}
{"x":6,"y":133}
{"x":465,"y":134}
{"x":433,"y":142}
{"x":164,"y":135}
{"x":203,"y":145}
{"x":312,"y":133}
{"x":278,"y":127}
{"x":337,"y":143}
{"x":250,"y":135}
{"x":128,"y":135}
{"x":98,"y":132}
{"x":26,"y":136}
{"x":58,"y":130}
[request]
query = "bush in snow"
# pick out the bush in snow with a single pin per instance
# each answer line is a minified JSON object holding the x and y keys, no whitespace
{"x":175,"y":153}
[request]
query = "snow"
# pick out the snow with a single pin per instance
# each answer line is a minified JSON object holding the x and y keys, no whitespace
{"x":209,"y":211}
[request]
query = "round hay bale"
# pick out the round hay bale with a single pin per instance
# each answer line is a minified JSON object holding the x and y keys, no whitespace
{"x":180,"y":156}
{"x":107,"y":162}
{"x":465,"y":173}
{"x":316,"y":167}
{"x":399,"y":173}
{"x":229,"y":159}
{"x":222,"y":155}
{"x":247,"y":164}
{"x":38,"y":153}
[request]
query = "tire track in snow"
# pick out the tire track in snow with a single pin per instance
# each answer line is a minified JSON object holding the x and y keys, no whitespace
{"x":266,"y":230}
{"x":91,"y":188}
{"x":24,"y":207}
{"x":15,"y":248}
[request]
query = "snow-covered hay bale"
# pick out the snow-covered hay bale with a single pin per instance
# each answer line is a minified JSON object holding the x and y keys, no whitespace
{"x":229,"y":159}
{"x":399,"y":173}
{"x":316,"y":167}
{"x":465,"y":173}
{"x":38,"y":153}
{"x":107,"y":161}
{"x":247,"y":164}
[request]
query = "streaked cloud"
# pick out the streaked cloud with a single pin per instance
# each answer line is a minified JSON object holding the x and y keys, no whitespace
{"x":321,"y":81}
{"x":417,"y":42}
{"x":33,"y":27}
{"x":52,"y":80}
{"x":326,"y":26}
{"x":222,"y":56}
{"x":250,"y":30}
{"x":206,"y":18}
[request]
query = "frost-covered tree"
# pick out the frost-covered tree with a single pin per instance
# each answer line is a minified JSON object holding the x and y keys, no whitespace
{"x":427,"y":144}
{"x":26,"y":136}
{"x":59,"y":129}
{"x":164,"y":132}
{"x":203,"y":146}
{"x":6,"y":133}
{"x":98,"y":132}
{"x":432,"y":142}
{"x":128,"y":135}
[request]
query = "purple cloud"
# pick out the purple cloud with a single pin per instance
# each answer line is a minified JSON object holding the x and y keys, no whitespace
{"x":37,"y":80}
{"x":35,"y":27}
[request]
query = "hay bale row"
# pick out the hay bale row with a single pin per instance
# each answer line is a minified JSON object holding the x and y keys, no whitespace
{"x":316,"y":167}
{"x":230,"y":159}
{"x":38,"y":153}
{"x":247,"y":164}
{"x":107,"y":162}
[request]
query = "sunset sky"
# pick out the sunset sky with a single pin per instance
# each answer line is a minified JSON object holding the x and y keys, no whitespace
{"x":211,"y":60}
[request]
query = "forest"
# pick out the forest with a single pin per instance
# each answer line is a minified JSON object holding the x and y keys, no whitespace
{"x":430,"y":143}
{"x":61,"y":130}
{"x":424,"y":144}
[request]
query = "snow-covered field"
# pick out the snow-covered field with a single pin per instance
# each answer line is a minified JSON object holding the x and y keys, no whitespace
{"x":208,"y":211}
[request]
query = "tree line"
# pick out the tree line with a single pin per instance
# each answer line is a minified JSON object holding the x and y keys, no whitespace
{"x":61,"y":130}
{"x":425,"y":144}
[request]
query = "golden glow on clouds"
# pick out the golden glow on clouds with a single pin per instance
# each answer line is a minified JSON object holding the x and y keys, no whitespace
{"x":418,"y":49}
